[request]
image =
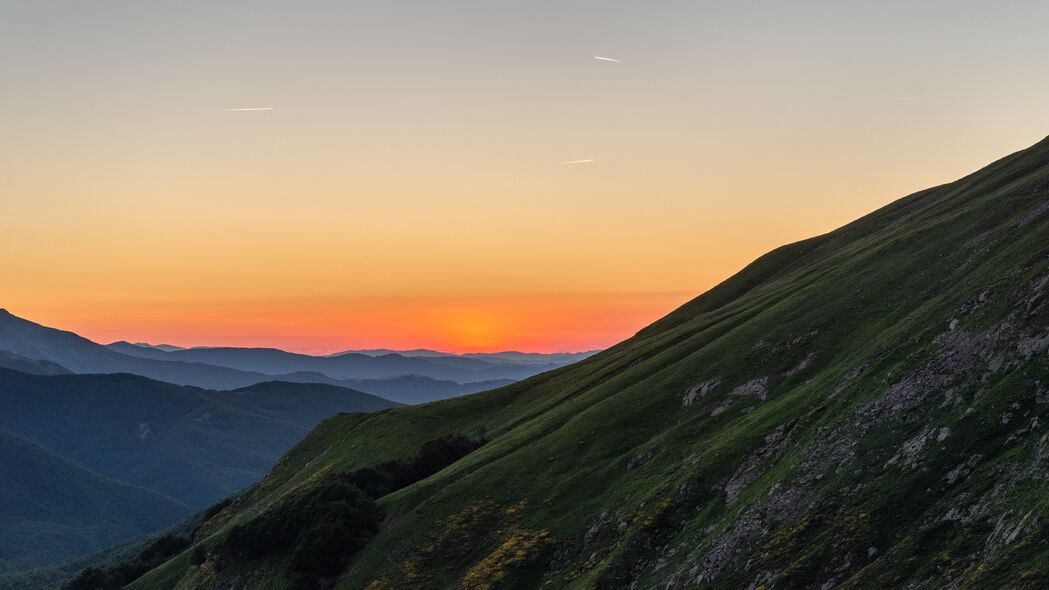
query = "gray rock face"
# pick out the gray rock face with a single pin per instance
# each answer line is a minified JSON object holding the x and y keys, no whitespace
{"x":758,"y":388}
{"x":699,"y":390}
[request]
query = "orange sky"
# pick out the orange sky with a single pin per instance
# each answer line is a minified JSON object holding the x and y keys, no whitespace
{"x":534,"y":322}
{"x":409,"y":187}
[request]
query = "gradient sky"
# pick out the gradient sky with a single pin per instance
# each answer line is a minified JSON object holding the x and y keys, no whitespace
{"x":409,"y":186}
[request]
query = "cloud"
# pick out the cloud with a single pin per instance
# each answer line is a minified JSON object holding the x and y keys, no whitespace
{"x":612,"y":59}
{"x":580,"y":161}
{"x":249,"y":109}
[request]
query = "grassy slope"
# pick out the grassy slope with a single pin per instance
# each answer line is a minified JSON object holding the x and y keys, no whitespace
{"x":874,"y":394}
{"x":51,"y":509}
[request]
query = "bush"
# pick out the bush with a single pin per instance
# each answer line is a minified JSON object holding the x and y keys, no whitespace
{"x":216,"y":508}
{"x":334,"y":501}
{"x":435,"y":455}
{"x":199,"y":555}
{"x":116,"y":577}
{"x":324,"y":525}
{"x":94,"y":578}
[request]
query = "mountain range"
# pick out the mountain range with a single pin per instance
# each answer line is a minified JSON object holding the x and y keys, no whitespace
{"x":10,"y":360}
{"x":509,"y":356}
{"x":194,"y":445}
{"x":867,"y":408}
{"x":169,"y":430}
{"x":401,"y":378}
{"x":89,"y":461}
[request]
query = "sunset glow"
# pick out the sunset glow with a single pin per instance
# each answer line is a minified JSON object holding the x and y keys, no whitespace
{"x":453,"y":176}
{"x":535,"y":323}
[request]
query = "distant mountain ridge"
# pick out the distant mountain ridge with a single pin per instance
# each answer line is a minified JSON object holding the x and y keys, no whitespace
{"x":423,"y":378}
{"x":507,"y":356}
{"x":164,"y":347}
{"x":416,"y":352}
{"x":276,"y":362}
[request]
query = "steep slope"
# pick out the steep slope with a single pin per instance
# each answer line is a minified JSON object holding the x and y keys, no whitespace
{"x":51,"y":509}
{"x":194,"y":445}
{"x":868,"y":408}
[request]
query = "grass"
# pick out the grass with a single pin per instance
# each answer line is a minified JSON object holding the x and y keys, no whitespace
{"x":870,"y":306}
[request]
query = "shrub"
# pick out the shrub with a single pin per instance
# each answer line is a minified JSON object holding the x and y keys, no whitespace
{"x":199,"y":555}
{"x":322,"y":526}
{"x":334,"y":500}
{"x":117,"y":576}
{"x":216,"y":508}
{"x":390,"y":476}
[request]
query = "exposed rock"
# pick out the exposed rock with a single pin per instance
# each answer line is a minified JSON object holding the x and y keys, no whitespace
{"x":801,"y":366}
{"x":748,"y":471}
{"x":1008,"y":528}
{"x":962,"y":471}
{"x":721,"y":407}
{"x":640,"y":459}
{"x":758,"y":388}
{"x":699,"y":390}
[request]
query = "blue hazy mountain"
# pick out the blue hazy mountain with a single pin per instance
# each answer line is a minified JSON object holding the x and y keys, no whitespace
{"x":272,"y":361}
{"x":399,"y":377}
{"x":10,"y":360}
{"x":52,"y":509}
{"x":194,"y":445}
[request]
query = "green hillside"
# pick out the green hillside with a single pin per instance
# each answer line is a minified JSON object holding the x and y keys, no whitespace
{"x":51,"y":509}
{"x":864,"y":409}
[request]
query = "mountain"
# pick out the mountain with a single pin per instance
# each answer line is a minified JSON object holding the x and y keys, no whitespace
{"x":533,"y":358}
{"x":80,"y":355}
{"x":506,"y":357}
{"x":275,"y":362}
{"x":412,"y":389}
{"x":406,"y":389}
{"x":423,"y":352}
{"x":191,"y":444}
{"x":163,"y":347}
{"x":868,"y":408}
{"x":10,"y":360}
{"x":231,"y":368}
{"x":56,"y":575}
{"x":51,"y":509}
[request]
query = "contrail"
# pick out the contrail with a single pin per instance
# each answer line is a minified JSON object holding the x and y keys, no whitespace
{"x":249,"y":109}
{"x":905,"y":99}
{"x":599,"y":58}
{"x":580,"y":161}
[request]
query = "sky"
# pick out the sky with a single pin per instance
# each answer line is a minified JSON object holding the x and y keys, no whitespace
{"x":468,"y":175}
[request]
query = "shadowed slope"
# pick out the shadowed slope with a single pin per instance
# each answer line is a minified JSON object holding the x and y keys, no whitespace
{"x":194,"y":445}
{"x":51,"y":509}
